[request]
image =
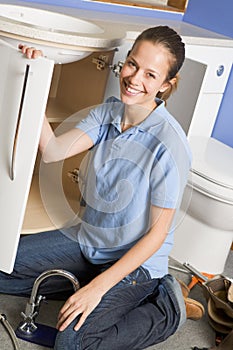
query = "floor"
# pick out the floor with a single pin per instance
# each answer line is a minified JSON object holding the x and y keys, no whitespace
{"x":193,"y":333}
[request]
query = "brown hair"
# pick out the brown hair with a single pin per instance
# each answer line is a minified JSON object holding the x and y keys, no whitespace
{"x":169,"y":38}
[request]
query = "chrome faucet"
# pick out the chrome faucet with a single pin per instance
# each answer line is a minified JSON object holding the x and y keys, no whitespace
{"x":28,"y":326}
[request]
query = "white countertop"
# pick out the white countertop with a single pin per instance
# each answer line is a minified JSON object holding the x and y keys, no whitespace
{"x":133,"y":25}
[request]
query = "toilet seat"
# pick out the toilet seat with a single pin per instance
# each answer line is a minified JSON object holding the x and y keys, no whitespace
{"x":210,"y":189}
{"x":212,"y":168}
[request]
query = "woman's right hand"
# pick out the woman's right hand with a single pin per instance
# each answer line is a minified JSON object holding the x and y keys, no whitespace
{"x":30,"y":52}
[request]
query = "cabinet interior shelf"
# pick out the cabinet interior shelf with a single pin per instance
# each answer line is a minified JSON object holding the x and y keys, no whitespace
{"x":36,"y":218}
{"x":57,"y":112}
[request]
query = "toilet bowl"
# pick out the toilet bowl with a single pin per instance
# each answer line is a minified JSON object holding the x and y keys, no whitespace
{"x":204,"y":231}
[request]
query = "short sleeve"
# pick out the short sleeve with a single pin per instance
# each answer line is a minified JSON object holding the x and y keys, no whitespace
{"x":91,"y":125}
{"x":98,"y":118}
{"x":169,"y":175}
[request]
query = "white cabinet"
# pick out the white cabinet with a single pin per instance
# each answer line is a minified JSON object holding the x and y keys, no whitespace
{"x":204,"y":76}
{"x":28,"y":88}
{"x":24,"y":88}
{"x":218,"y":63}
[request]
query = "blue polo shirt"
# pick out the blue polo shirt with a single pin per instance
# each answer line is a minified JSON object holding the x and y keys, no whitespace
{"x":123,"y":175}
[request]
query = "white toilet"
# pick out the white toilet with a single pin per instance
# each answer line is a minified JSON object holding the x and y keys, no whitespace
{"x":204,"y":232}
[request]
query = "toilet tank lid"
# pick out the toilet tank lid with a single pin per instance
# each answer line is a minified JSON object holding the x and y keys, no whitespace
{"x":212,"y":159}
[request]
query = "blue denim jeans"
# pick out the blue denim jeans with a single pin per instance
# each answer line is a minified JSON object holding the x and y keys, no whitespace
{"x":45,"y":251}
{"x":134,"y":314}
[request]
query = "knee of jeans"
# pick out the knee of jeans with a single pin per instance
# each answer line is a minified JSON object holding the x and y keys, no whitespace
{"x":67,"y":339}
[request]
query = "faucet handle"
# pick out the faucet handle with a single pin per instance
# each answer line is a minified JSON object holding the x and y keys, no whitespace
{"x":28,"y":326}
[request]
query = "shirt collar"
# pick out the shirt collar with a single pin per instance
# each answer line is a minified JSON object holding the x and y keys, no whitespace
{"x":153,"y":119}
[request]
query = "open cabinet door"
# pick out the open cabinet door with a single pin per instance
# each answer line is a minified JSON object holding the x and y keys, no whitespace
{"x":24,"y":89}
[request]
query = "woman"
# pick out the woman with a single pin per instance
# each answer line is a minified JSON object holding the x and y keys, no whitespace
{"x":138,"y":164}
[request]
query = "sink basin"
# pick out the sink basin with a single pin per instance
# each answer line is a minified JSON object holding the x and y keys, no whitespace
{"x":61,"y":37}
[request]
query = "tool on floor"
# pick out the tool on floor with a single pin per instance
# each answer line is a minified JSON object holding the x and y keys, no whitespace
{"x":197,"y":276}
{"x":34,"y":332}
{"x":201,"y":277}
{"x":218,"y":293}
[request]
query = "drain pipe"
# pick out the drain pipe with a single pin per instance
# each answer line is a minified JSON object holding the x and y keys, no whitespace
{"x":10,"y":330}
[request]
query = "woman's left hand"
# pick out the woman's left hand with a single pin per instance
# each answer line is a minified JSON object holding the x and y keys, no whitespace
{"x":82,"y":302}
{"x":30,"y":52}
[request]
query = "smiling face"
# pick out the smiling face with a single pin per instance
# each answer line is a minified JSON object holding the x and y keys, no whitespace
{"x":144,"y":74}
